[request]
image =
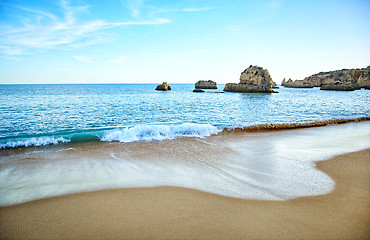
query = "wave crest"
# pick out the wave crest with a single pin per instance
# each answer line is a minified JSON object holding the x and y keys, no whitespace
{"x":34,"y":142}
{"x":159,"y":132}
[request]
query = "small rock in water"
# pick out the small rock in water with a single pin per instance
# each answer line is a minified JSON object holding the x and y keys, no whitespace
{"x":163,"y":87}
{"x":203,"y":84}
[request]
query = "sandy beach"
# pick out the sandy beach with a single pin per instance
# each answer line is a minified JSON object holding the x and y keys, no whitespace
{"x":179,"y":213}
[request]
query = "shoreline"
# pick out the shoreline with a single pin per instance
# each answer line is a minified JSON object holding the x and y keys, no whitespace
{"x":162,"y":133}
{"x":180,"y":213}
{"x":272,"y":165}
{"x":295,"y":125}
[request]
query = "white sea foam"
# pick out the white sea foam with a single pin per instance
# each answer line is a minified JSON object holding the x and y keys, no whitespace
{"x":128,"y":134}
{"x":159,"y":132}
{"x":34,"y":142}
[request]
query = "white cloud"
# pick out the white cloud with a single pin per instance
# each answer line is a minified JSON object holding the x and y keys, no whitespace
{"x":10,"y":51}
{"x":85,"y":59}
{"x":39,"y":12}
{"x":55,"y":32}
{"x":154,"y":22}
{"x":41,"y":30}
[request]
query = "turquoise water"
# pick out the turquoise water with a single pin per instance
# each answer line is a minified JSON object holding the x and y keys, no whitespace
{"x":33,"y":115}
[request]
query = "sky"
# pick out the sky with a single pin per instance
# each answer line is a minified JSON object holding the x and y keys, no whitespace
{"x":178,"y":41}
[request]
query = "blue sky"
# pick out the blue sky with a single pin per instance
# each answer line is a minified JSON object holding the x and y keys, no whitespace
{"x":182,"y":41}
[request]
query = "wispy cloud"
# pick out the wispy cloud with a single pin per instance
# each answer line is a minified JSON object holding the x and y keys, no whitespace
{"x":57,"y":32}
{"x":38,"y":12}
{"x":154,"y":22}
{"x":137,"y":6}
{"x":85,"y":59}
{"x":163,"y":10}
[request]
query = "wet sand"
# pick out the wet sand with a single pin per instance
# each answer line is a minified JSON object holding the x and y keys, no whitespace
{"x":179,"y":213}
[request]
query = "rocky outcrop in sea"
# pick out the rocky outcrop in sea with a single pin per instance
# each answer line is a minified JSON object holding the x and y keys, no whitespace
{"x":163,"y":87}
{"x":343,"y":85}
{"x":252,"y":79}
{"x":297,"y":84}
{"x":286,"y":83}
{"x":283,"y":82}
{"x":342,"y":80}
{"x":203,"y":84}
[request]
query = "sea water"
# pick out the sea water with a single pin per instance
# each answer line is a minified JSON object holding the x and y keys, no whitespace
{"x":36,"y":115}
{"x":62,"y":139}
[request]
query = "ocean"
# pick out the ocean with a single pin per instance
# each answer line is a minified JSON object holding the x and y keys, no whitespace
{"x":64,"y":139}
{"x":37,"y":115}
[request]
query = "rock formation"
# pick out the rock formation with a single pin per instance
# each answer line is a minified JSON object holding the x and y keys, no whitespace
{"x":203,"y":84}
{"x":163,"y":87}
{"x":252,"y":79}
{"x":364,"y":80}
{"x":316,"y":80}
{"x":339,"y":85}
{"x":298,"y":84}
{"x":283,"y":82}
{"x":344,"y":80}
{"x":287,"y":83}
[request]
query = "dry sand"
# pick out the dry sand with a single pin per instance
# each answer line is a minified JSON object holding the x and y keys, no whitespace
{"x":177,"y":213}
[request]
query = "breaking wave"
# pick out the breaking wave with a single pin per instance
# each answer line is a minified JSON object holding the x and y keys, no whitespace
{"x":34,"y":142}
{"x":159,"y":132}
{"x":127,"y":134}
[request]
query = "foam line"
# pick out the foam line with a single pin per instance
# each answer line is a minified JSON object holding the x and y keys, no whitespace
{"x":34,"y":142}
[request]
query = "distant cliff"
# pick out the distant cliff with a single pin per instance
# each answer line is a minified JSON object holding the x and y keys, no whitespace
{"x":345,"y":79}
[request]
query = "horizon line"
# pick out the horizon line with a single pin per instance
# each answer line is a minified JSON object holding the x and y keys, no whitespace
{"x":86,"y":83}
